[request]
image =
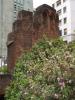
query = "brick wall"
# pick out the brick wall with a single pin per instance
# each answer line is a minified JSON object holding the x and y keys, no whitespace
{"x":4,"y":82}
{"x":28,"y":28}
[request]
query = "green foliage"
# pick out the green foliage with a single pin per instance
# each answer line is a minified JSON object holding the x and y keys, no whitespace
{"x":47,"y":72}
{"x":3,"y":69}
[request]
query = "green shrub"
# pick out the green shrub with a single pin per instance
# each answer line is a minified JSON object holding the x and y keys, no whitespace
{"x":3,"y":69}
{"x":47,"y":72}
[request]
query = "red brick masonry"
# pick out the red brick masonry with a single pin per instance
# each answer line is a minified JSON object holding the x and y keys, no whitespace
{"x":4,"y":82}
{"x":28,"y":28}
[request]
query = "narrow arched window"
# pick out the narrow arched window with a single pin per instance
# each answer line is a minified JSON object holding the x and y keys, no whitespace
{"x":45,"y":17}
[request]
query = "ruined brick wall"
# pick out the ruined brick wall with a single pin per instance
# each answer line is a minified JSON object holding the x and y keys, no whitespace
{"x":21,"y":37}
{"x":5,"y":80}
{"x":28,"y":29}
{"x":45,"y":22}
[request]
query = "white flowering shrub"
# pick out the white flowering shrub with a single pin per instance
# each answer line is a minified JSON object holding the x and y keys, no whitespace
{"x":47,"y":72}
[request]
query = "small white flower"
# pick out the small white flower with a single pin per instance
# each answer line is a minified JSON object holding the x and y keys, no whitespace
{"x":70,"y":81}
{"x":56,"y":96}
{"x":58,"y":79}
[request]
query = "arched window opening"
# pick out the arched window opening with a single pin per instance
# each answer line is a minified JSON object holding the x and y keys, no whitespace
{"x":45,"y":17}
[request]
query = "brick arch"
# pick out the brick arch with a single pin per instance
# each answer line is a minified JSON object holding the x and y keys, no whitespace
{"x":45,"y":13}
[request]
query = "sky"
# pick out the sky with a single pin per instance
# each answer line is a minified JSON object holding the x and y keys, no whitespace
{"x":36,"y":3}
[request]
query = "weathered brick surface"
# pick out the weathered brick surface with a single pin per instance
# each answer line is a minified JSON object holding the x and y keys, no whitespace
{"x":45,"y":22}
{"x":28,"y":29}
{"x":21,"y":37}
{"x":4,"y":82}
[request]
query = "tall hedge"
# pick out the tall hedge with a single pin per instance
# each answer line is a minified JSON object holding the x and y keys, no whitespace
{"x":47,"y":72}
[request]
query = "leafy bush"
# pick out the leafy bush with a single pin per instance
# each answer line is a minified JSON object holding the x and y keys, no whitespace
{"x":47,"y":72}
{"x":3,"y":69}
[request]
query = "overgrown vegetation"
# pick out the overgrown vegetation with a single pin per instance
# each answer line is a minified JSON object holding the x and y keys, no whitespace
{"x":3,"y":70}
{"x":45,"y":73}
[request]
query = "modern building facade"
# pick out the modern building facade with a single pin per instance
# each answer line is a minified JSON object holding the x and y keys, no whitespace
{"x":8,"y":14}
{"x":66,"y":12}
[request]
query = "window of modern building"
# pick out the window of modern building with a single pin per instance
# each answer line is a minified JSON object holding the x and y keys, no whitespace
{"x":60,"y":32}
{"x":15,"y":7}
{"x":59,"y":12}
{"x":21,"y":8}
{"x":64,"y":10}
{"x":53,"y":5}
{"x":15,"y":15}
{"x":65,"y":31}
{"x":60,"y":22}
{"x":65,"y":20}
{"x":18,"y":8}
{"x":58,"y":2}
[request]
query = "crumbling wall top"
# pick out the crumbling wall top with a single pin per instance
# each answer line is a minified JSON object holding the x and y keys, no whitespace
{"x":43,"y":7}
{"x":23,"y":14}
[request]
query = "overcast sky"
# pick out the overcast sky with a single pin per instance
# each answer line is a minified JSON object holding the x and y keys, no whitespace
{"x":40,"y":2}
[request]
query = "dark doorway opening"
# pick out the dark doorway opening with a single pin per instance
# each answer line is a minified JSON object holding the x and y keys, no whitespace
{"x":2,"y":97}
